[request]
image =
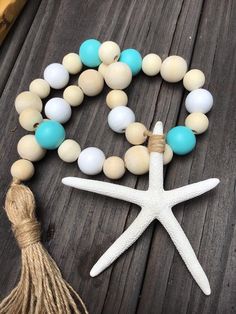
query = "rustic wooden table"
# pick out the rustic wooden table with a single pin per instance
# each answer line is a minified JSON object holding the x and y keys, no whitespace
{"x":77,"y":227}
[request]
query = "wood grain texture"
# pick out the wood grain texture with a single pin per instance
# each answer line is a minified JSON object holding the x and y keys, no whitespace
{"x":77,"y":227}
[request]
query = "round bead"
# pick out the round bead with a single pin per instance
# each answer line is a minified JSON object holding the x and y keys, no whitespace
{"x":109,"y":52}
{"x":28,"y":100}
{"x":72,"y":63}
{"x":116,"y":98}
{"x":173,"y":69}
{"x":135,"y":133}
{"x":22,"y":170}
{"x":119,"y":118}
{"x":56,"y":75}
{"x":58,"y":109}
{"x":89,"y":53}
{"x":197,"y":122}
{"x":102,"y":69}
{"x":40,"y":87}
{"x":194,"y":79}
{"x":114,"y":167}
{"x":91,"y":160}
{"x":28,"y":148}
{"x":133,"y":59}
{"x":137,"y":159}
{"x":199,"y":100}
{"x":30,"y":118}
{"x":50,"y":134}
{"x":73,"y":95}
{"x":118,"y":75}
{"x":181,"y":140}
{"x":91,"y":82}
{"x":151,"y":64}
{"x":69,"y":151}
{"x":168,"y":154}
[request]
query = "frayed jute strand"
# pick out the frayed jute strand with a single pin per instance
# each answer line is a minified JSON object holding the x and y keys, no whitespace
{"x":156,"y":143}
{"x":41,"y":288}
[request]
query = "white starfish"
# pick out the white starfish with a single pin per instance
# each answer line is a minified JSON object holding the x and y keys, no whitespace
{"x":155,"y":203}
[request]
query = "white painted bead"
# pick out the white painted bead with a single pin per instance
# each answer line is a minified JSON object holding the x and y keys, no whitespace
{"x":137,"y":159}
{"x":91,"y":160}
{"x":118,"y":75}
{"x":173,"y":69}
{"x":114,"y":167}
{"x":72,"y":63}
{"x":194,"y":79}
{"x":197,"y":122}
{"x":109,"y":52}
{"x":69,"y":151}
{"x":116,"y":98}
{"x":134,"y":133}
{"x":91,"y":82}
{"x":28,"y":100}
{"x":58,"y":109}
{"x":151,"y":64}
{"x":168,"y":154}
{"x":73,"y":95}
{"x":56,"y":75}
{"x":199,"y":100}
{"x":22,"y":170}
{"x":30,"y":118}
{"x":119,"y":118}
{"x":102,"y":69}
{"x":28,"y":148}
{"x":40,"y":87}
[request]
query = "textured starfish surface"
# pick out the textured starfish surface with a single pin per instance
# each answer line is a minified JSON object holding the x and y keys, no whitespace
{"x":155,"y":203}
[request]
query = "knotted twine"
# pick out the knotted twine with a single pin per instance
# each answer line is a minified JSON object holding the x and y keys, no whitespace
{"x":41,"y":288}
{"x":156,"y":143}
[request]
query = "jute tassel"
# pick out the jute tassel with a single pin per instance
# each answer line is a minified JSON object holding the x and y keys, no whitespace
{"x":41,"y":288}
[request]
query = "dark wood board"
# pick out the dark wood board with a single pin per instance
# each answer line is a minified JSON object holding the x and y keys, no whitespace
{"x":77,"y":227}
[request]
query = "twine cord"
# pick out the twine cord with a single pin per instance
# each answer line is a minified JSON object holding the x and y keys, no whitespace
{"x":156,"y":143}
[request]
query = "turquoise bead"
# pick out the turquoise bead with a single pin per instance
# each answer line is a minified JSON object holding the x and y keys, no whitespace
{"x":133,"y":59}
{"x":50,"y":134}
{"x":181,"y":139}
{"x":88,"y":53}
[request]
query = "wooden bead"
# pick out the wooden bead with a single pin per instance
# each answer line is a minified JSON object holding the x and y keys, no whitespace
{"x":134,"y":133}
{"x":102,"y":69}
{"x":168,"y":154}
{"x":114,"y":167}
{"x":22,"y":170}
{"x":28,"y":148}
{"x":173,"y":69}
{"x":194,"y":79}
{"x":197,"y":122}
{"x":28,"y":100}
{"x":116,"y":98}
{"x":91,"y":82}
{"x":40,"y":87}
{"x":137,"y":159}
{"x":30,"y":118}
{"x":72,"y":63}
{"x":69,"y":151}
{"x":109,"y":52}
{"x":118,"y":75}
{"x":151,"y":64}
{"x":73,"y":95}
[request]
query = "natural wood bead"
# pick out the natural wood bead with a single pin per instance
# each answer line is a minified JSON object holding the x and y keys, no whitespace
{"x":194,"y":79}
{"x":137,"y":159}
{"x":73,"y":95}
{"x":114,"y":167}
{"x":40,"y":87}
{"x":69,"y":151}
{"x":22,"y":170}
{"x":197,"y":122}
{"x":102,"y":69}
{"x":118,"y":75}
{"x":28,"y":148}
{"x":72,"y":63}
{"x":91,"y":82}
{"x":30,"y":118}
{"x":28,"y":100}
{"x":134,"y":133}
{"x":109,"y":52}
{"x":173,"y":69}
{"x":151,"y":64}
{"x":168,"y":154}
{"x":116,"y":98}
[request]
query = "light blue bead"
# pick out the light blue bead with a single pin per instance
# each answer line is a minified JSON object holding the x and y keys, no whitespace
{"x":88,"y":53}
{"x":50,"y":134}
{"x":181,"y":139}
{"x":133,"y":59}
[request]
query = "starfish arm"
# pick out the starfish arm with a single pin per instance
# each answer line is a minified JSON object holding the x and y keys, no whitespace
{"x":192,"y":190}
{"x":128,"y":237}
{"x":105,"y":188}
{"x":170,"y":223}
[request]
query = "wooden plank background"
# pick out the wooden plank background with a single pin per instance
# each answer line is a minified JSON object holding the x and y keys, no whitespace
{"x":77,"y":227}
